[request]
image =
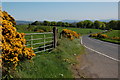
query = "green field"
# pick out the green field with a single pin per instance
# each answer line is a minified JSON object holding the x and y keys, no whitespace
{"x":81,"y":30}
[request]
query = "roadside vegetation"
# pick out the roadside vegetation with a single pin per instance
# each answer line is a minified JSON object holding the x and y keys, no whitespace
{"x":13,"y":46}
{"x":56,"y":64}
{"x":112,"y":36}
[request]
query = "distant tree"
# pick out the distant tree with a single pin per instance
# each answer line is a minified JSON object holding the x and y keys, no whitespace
{"x":35,"y":23}
{"x":46,"y":23}
{"x":80,"y":24}
{"x":97,"y":24}
{"x":102,"y":26}
{"x":66,"y":24}
{"x":112,"y":24}
{"x":88,"y":24}
{"x":118,"y":25}
{"x":59,"y":23}
{"x":63,"y":24}
{"x":53,"y":23}
{"x":71,"y":25}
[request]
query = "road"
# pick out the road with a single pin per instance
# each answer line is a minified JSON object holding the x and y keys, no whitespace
{"x":101,"y":59}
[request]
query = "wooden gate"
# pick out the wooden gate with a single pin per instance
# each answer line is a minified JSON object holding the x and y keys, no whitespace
{"x":41,"y":42}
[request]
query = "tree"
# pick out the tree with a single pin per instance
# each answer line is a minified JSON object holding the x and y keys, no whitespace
{"x":102,"y":26}
{"x":53,"y":23}
{"x":59,"y":23}
{"x":80,"y":24}
{"x":88,"y":24}
{"x":66,"y":24}
{"x":97,"y":24}
{"x":118,"y":25}
{"x":112,"y":24}
{"x":46,"y":23}
{"x":35,"y":23}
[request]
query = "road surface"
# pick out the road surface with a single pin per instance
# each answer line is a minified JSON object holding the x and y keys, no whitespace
{"x":101,"y":59}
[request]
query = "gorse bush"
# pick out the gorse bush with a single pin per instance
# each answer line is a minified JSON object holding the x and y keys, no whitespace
{"x":13,"y":45}
{"x":116,"y":38}
{"x":104,"y":36}
{"x":98,"y":35}
{"x":69,"y":34}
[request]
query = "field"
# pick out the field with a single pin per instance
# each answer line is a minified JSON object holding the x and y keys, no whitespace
{"x":82,"y":31}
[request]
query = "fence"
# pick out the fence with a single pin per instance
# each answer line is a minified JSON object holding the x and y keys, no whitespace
{"x":42,"y":42}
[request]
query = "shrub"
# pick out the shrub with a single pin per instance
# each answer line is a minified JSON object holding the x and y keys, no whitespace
{"x":69,"y":34}
{"x":13,"y":45}
{"x":103,"y":36}
{"x":93,"y":35}
{"x":39,"y":30}
{"x":98,"y":35}
{"x":115,"y":38}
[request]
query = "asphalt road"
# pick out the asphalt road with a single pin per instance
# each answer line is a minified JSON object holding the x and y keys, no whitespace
{"x":103,"y":65}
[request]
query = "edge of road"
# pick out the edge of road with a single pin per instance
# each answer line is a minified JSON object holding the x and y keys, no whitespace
{"x":98,"y":51}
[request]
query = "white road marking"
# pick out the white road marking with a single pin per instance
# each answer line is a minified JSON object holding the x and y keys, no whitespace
{"x":99,"y":52}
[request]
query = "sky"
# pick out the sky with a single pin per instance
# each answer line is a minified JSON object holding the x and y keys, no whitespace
{"x":56,"y":11}
{"x":60,"y":0}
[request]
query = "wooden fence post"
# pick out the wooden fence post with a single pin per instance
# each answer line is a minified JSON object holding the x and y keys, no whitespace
{"x":55,"y":37}
{"x":31,"y":36}
{"x":44,"y":42}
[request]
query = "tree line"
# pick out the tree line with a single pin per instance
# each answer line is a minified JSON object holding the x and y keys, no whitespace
{"x":113,"y":24}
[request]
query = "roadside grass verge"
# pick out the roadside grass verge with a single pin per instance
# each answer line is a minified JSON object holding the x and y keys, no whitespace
{"x":108,"y":40}
{"x":113,"y":33}
{"x":55,"y":64}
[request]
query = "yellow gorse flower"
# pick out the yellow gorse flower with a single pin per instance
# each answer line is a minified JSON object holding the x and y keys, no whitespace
{"x":13,"y":43}
{"x":70,"y":34}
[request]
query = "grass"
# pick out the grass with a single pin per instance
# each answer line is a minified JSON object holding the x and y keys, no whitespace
{"x":52,"y":65}
{"x":82,"y":31}
{"x":113,"y":33}
{"x":30,"y":29}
